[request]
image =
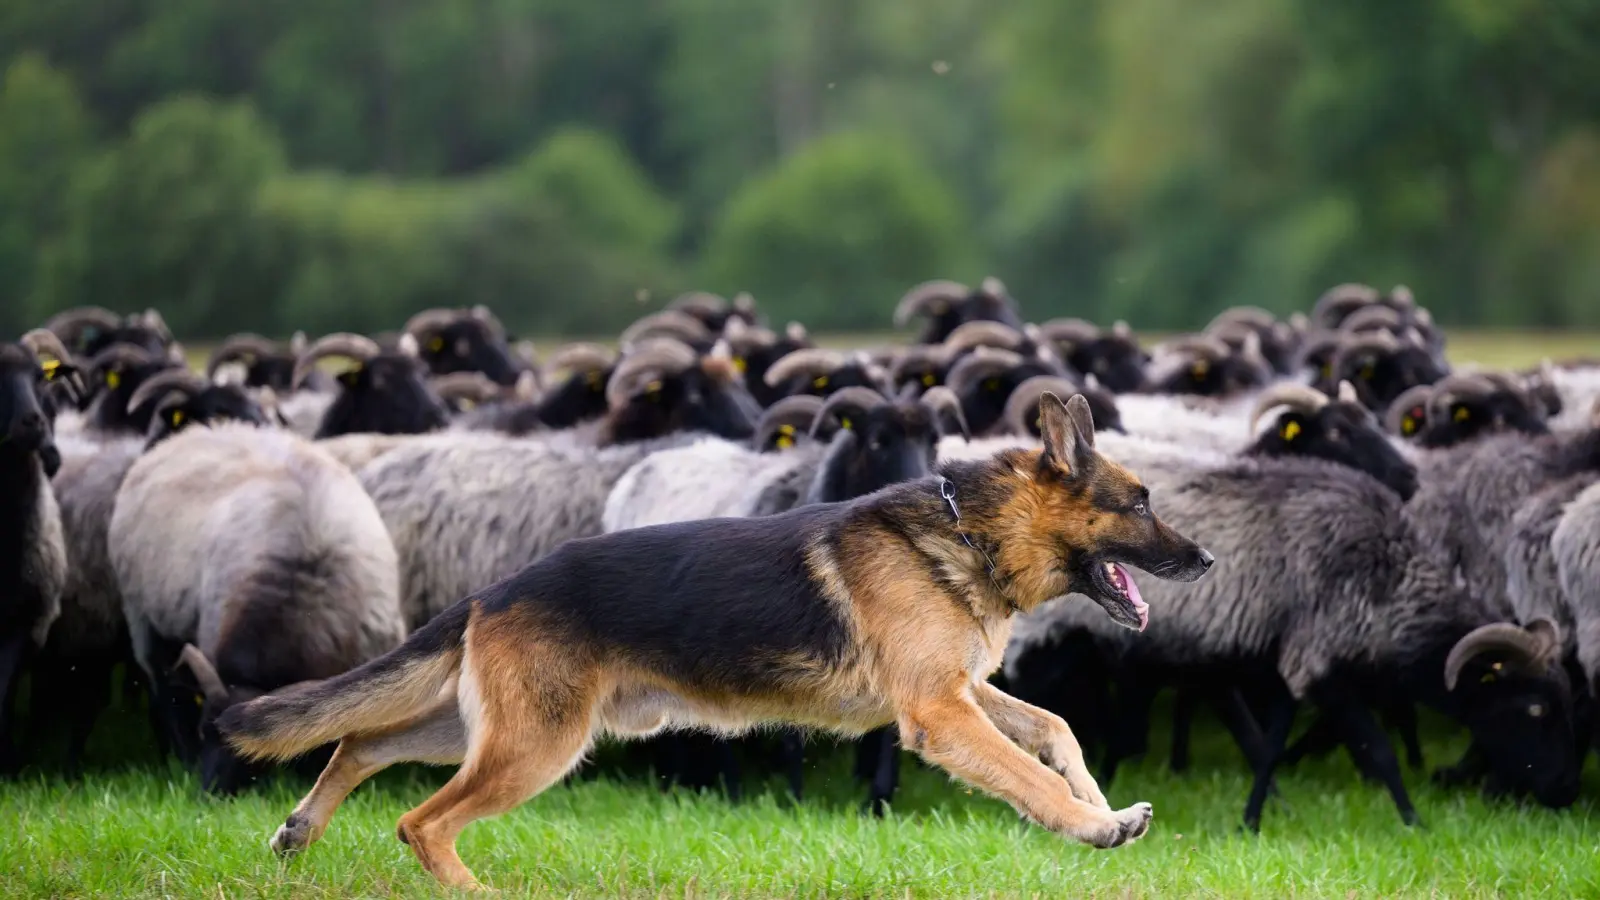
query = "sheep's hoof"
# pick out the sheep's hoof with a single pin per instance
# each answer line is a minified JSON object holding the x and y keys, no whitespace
{"x":293,"y":836}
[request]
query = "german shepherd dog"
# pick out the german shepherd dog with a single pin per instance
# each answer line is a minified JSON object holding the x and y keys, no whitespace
{"x":891,"y":608}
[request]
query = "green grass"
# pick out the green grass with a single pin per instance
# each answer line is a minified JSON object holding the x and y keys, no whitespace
{"x":147,"y":832}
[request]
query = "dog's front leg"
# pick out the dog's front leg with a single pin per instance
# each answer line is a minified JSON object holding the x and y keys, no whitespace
{"x":952,"y":732}
{"x":1045,"y":735}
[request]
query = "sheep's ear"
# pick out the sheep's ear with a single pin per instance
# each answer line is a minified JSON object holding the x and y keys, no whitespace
{"x":1068,"y":431}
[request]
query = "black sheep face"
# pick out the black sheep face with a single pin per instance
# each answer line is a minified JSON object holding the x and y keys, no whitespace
{"x":387,"y":394}
{"x":580,"y":397}
{"x":1381,"y":377}
{"x":275,"y":372}
{"x":1523,"y":724}
{"x":1220,"y":378}
{"x":113,"y":383}
{"x":754,"y":362}
{"x":217,"y":403}
{"x":709,"y":397}
{"x":25,"y":422}
{"x":886,"y":445}
{"x":1116,"y":361}
{"x":851,"y":374}
{"x":977,"y":306}
{"x":223,"y":772}
{"x":470,"y":345}
{"x":1471,"y":417}
{"x":1342,"y":433}
{"x":983,"y":402}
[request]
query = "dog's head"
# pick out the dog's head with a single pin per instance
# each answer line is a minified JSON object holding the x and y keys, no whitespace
{"x":1100,"y":518}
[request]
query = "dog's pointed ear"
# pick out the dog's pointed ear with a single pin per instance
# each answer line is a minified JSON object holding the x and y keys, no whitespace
{"x":1068,"y":431}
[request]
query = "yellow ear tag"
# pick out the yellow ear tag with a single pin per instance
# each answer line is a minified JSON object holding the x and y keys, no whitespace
{"x":845,"y":423}
{"x":739,"y":365}
{"x":653,"y":387}
{"x":594,"y":379}
{"x":176,"y":418}
{"x":993,"y":384}
{"x":786,"y":429}
{"x":927,"y":379}
{"x":821,"y":381}
{"x":113,"y":380}
{"x":199,"y":699}
{"x":1408,"y":425}
{"x":50,"y":367}
{"x":468,"y":403}
{"x":1291,"y":428}
{"x":436,"y":344}
{"x":784,"y":442}
{"x":1461,"y":414}
{"x":1200,"y":369}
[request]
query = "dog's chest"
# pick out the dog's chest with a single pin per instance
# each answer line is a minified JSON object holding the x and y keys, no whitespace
{"x":988,"y":646}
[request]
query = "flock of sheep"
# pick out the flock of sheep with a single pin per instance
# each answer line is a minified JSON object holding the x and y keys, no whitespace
{"x":1389,"y":532}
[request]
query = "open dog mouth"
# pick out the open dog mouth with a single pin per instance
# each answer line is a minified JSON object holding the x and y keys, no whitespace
{"x":1120,"y":595}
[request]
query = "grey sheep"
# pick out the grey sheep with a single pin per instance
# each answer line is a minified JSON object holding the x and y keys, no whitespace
{"x":254,"y":560}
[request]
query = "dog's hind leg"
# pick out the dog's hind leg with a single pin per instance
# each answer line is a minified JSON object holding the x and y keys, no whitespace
{"x":437,"y":736}
{"x":528,"y":724}
{"x":953,"y":732}
{"x":1045,"y":735}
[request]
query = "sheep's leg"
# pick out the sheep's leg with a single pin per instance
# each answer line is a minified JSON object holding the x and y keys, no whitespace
{"x":878,"y":753}
{"x":1280,"y":720}
{"x":1235,"y":714}
{"x":1130,"y":728}
{"x":1182,"y":721}
{"x":91,"y":691}
{"x":792,"y":751}
{"x":12,"y":652}
{"x":437,"y":737}
{"x":1401,"y":715}
{"x":1366,"y":738}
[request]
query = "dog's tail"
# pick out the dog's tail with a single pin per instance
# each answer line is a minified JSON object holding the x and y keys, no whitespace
{"x":385,"y":691}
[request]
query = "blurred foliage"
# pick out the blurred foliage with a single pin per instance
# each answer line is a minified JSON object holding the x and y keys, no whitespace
{"x":337,"y":165}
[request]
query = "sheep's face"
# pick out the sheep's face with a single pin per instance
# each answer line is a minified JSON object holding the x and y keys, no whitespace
{"x":470,"y":345}
{"x":113,"y":379}
{"x":708,"y":397}
{"x":1522,"y":722}
{"x":983,"y":400}
{"x":387,"y":394}
{"x":580,"y":397}
{"x":1470,"y":417}
{"x":24,"y":418}
{"x":1343,"y":433}
{"x":977,"y":306}
{"x":1225,"y":377}
{"x":1116,"y":361}
{"x":754,"y":361}
{"x":873,"y":449}
{"x":1380,"y":377}
{"x":222,"y":771}
{"x":276,"y":372}
{"x":851,"y":374}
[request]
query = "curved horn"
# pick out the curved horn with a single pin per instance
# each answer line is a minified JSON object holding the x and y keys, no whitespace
{"x":580,"y":358}
{"x":474,"y":387}
{"x":1070,"y":331}
{"x":339,"y":344}
{"x":244,"y":346}
{"x":667,"y":323}
{"x":1373,"y":318}
{"x":928,"y":297}
{"x":162,"y":383}
{"x":1532,"y":646}
{"x":841,"y":403}
{"x":1347,"y":393}
{"x":946,"y":409}
{"x":70,"y":324}
{"x":205,"y":675}
{"x":430,"y":321}
{"x":42,"y":342}
{"x":812,"y":361}
{"x":699,"y":303}
{"x":796,"y":413}
{"x":1411,"y":400}
{"x":1451,"y":388}
{"x":1253,"y":317}
{"x":1022,"y":407}
{"x":982,"y":334}
{"x":647,"y":362}
{"x":1298,"y":397}
{"x":982,"y":362}
{"x":1340,"y":300}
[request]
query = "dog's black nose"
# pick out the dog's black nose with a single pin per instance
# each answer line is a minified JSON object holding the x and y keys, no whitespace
{"x":1206,"y":559}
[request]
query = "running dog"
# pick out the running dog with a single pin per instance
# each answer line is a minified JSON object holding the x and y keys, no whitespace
{"x":891,"y":608}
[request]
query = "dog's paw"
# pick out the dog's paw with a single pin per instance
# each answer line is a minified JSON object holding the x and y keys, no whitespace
{"x":293,"y":836}
{"x":1127,"y":825}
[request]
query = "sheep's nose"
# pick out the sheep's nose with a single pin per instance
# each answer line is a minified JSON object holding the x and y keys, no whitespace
{"x":1206,"y":559}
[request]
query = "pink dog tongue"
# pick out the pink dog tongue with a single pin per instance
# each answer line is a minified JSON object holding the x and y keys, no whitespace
{"x":1139,"y":606}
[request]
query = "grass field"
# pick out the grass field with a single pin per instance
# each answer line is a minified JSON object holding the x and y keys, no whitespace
{"x":145,"y":831}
